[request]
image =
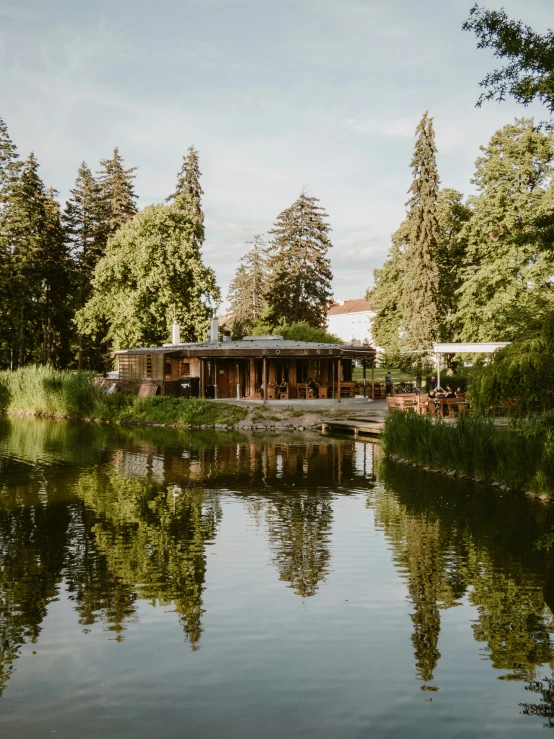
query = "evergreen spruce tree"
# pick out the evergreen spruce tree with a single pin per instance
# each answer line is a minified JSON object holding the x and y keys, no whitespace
{"x":188,"y":193}
{"x":247,"y":290}
{"x":385,"y":297}
{"x":56,"y":276}
{"x":299,"y":284}
{"x":85,"y":220}
{"x":33,"y":239}
{"x":9,"y":169}
{"x":117,"y":190}
{"x":8,"y":157}
{"x":421,"y":303}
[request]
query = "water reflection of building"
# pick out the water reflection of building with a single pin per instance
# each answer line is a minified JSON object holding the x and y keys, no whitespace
{"x":242,"y":467}
{"x":293,"y":484}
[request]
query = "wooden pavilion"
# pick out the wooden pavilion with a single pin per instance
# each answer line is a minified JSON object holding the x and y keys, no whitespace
{"x":255,"y":367}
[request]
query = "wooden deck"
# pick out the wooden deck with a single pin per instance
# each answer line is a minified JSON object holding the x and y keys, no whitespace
{"x":359,"y":427}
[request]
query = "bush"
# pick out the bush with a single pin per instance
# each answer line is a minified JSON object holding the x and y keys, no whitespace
{"x":474,"y":447}
{"x":524,"y":370}
{"x":301,"y":331}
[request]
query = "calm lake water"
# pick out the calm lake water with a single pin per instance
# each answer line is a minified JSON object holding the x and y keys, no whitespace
{"x":156,"y":583}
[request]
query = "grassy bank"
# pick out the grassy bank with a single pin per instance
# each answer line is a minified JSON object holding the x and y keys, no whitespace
{"x":48,"y":392}
{"x":521,"y":458}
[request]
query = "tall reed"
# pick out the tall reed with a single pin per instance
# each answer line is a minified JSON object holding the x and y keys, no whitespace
{"x":49,"y":392}
{"x":473,"y":446}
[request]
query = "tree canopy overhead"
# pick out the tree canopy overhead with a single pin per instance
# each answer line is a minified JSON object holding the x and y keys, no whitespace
{"x":529,"y":71}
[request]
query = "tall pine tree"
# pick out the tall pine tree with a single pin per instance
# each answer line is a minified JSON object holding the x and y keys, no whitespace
{"x":9,"y":169}
{"x":86,"y":225}
{"x":421,"y":303}
{"x":8,"y":156}
{"x":188,"y":193}
{"x":33,"y":239}
{"x":247,"y":290}
{"x":56,"y":276}
{"x":117,"y":190}
{"x":299,"y":285}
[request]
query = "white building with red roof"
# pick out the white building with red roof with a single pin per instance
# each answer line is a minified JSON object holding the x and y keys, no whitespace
{"x":351,"y":320}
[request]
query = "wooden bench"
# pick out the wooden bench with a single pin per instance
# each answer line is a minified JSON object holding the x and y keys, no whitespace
{"x":402,"y":403}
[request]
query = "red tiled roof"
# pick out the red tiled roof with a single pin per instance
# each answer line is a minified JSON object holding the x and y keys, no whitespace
{"x":348,"y":306}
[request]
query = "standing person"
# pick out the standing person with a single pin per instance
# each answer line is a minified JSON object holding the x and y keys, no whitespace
{"x":388,"y":384}
{"x":433,"y":387}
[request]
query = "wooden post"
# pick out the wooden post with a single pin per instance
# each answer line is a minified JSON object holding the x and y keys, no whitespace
{"x":365,"y":382}
{"x":339,"y":369}
{"x":264,"y":379}
{"x":373,"y":379}
{"x":201,"y":378}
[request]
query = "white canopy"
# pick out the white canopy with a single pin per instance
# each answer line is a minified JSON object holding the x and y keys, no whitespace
{"x":476,"y":347}
{"x":460,"y":347}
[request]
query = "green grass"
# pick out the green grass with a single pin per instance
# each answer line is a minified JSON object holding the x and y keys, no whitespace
{"x":48,"y":392}
{"x":473,"y":446}
{"x":380,"y":372}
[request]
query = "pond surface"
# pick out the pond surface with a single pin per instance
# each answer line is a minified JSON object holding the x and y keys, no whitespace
{"x":156,"y":583}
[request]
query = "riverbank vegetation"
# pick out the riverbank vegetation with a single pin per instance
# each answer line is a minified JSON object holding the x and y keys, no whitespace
{"x":45,"y":391}
{"x":520,"y":457}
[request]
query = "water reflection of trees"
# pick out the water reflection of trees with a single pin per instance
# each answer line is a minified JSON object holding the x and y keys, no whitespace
{"x":152,"y":540}
{"x":472,"y":544}
{"x":115,"y":529}
{"x":32,"y":551}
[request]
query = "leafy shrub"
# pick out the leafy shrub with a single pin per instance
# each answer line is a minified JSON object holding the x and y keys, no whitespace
{"x":524,"y":370}
{"x":301,"y":331}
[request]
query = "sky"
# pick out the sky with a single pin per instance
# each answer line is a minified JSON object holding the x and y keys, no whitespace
{"x":277,"y":95}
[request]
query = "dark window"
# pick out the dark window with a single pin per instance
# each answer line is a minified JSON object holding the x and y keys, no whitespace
{"x":148,"y":365}
{"x":185,"y":369}
{"x":317,"y":371}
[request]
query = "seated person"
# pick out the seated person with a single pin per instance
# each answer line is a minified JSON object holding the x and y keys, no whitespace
{"x":282,"y":387}
{"x":449,"y":392}
{"x":439,"y":392}
{"x":312,"y":386}
{"x":459,"y":392}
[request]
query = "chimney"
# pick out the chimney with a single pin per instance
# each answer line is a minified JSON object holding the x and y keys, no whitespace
{"x":214,"y":330}
{"x":175,"y":333}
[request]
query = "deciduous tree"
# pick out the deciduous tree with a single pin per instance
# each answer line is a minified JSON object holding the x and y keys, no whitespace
{"x":507,"y":288}
{"x":529,"y":72}
{"x":152,"y":270}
